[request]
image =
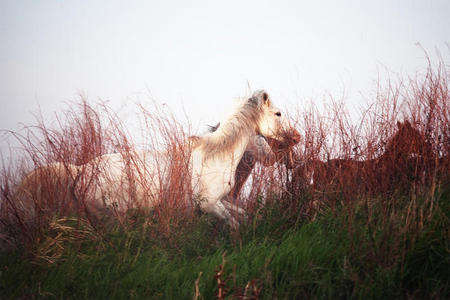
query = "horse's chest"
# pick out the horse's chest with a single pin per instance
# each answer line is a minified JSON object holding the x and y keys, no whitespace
{"x":216,"y":179}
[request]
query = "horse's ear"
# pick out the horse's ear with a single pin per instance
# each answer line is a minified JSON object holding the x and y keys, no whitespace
{"x":265,"y":97}
{"x":260,"y":98}
{"x":253,"y":100}
{"x":408,"y":124}
{"x":399,"y":124}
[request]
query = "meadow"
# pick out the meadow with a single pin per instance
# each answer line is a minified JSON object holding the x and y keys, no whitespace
{"x":364,"y":212}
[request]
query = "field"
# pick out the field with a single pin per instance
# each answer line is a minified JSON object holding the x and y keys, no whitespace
{"x":364,"y":213}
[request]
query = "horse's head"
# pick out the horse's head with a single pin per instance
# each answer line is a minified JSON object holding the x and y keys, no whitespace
{"x":272,"y":124}
{"x":407,"y":141}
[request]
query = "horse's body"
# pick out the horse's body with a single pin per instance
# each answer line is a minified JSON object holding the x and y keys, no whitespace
{"x":265,"y":151}
{"x":140,"y":179}
{"x":45,"y":190}
{"x":120,"y":182}
{"x":403,"y":152}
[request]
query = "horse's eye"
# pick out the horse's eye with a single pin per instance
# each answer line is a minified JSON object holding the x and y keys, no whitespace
{"x":278,"y":114}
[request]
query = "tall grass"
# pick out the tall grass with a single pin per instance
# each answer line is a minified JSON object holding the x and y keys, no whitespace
{"x":358,"y":216}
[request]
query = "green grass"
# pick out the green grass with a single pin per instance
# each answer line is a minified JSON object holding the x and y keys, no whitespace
{"x":277,"y":255}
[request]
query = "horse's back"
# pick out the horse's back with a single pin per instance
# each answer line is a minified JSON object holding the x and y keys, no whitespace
{"x":45,"y":191}
{"x":124,"y":180}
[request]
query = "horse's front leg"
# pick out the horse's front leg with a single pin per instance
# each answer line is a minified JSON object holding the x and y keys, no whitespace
{"x":234,"y":208}
{"x":222,"y":212}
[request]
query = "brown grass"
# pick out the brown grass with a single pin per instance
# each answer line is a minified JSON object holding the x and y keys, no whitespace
{"x":338,"y":163}
{"x":54,"y":182}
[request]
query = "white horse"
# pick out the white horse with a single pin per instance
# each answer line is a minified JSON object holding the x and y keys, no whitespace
{"x":259,"y":150}
{"x":208,"y":168}
{"x":217,"y":154}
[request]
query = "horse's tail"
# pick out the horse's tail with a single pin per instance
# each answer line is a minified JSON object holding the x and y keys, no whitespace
{"x":44,"y":192}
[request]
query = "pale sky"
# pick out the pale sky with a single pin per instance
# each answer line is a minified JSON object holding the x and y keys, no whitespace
{"x":201,"y":54}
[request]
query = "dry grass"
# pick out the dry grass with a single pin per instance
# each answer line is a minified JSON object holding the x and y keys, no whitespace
{"x":59,"y":175}
{"x":359,"y":214}
{"x":338,"y":163}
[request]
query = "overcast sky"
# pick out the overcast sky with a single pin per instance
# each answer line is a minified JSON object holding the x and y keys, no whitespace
{"x":201,"y":54}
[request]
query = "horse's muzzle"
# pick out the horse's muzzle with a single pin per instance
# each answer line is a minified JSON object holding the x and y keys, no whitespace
{"x":295,"y":137}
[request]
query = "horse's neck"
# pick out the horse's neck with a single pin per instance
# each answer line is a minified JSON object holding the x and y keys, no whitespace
{"x":209,"y":167}
{"x":232,"y":158}
{"x":239,"y":151}
{"x":393,"y":153}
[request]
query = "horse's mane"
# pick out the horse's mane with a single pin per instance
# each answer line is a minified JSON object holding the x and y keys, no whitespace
{"x":222,"y":139}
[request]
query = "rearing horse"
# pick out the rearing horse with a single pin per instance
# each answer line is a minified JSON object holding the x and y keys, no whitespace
{"x":264,"y":150}
{"x":260,"y":149}
{"x":216,"y":155}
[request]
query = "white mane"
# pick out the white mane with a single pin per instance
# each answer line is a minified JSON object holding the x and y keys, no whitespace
{"x":242,"y":121}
